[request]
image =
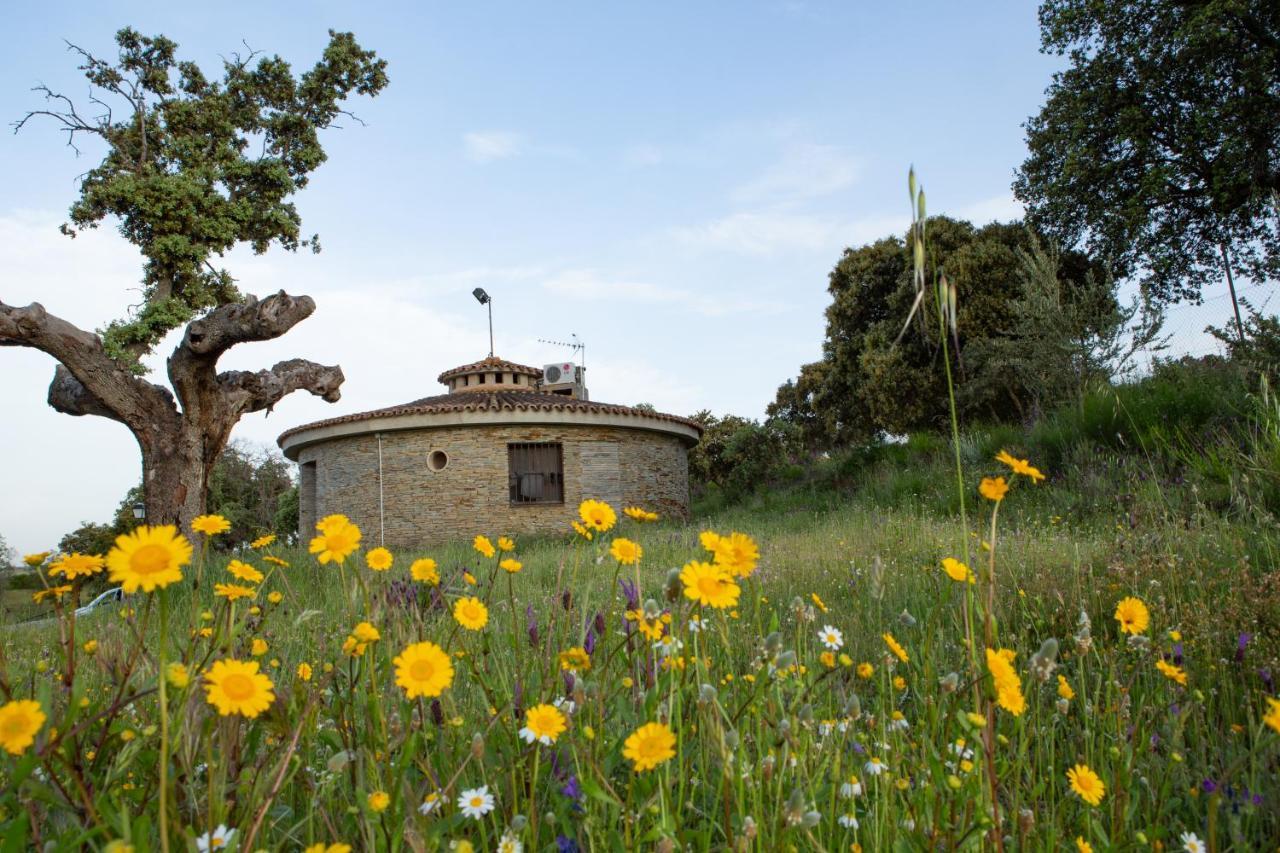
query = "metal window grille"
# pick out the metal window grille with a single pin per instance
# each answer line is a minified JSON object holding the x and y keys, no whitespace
{"x":535,"y":473}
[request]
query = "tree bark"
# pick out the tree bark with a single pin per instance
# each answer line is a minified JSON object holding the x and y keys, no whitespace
{"x":180,"y":433}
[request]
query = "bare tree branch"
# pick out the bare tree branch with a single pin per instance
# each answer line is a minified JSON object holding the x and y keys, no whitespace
{"x":253,"y":392}
{"x":240,"y":322}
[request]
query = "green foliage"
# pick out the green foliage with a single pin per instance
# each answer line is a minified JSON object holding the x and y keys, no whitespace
{"x":195,"y":166}
{"x":8,"y":556}
{"x":737,"y":456}
{"x":1156,"y":147}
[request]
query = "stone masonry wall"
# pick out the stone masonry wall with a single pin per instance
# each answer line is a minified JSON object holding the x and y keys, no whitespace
{"x":470,"y":495}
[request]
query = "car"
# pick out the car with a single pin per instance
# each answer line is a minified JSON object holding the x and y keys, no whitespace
{"x":113,"y":594}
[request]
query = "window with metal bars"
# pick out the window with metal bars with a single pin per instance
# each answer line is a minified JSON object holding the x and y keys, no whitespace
{"x":535,"y":472}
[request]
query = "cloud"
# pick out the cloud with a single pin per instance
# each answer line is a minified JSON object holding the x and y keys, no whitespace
{"x":588,"y":284}
{"x":490,"y":145}
{"x":643,"y":154}
{"x":773,"y":232}
{"x":804,"y":171}
{"x":1000,"y":208}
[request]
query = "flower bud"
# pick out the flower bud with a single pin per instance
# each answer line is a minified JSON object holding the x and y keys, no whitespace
{"x":477,"y":745}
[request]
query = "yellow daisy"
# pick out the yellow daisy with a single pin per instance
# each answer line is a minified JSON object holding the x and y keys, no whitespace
{"x":245,"y":572}
{"x":709,"y":585}
{"x":20,"y":720}
{"x":379,"y":559}
{"x":425,"y":571}
{"x":597,"y":515}
{"x":149,"y":558}
{"x":236,"y":687}
{"x":471,"y":613}
{"x":1086,"y":784}
{"x":650,"y":745}
{"x":738,"y":553}
{"x":73,"y":566}
{"x":423,"y":669}
{"x":625,"y":551}
{"x":338,"y":539}
{"x":210,"y":525}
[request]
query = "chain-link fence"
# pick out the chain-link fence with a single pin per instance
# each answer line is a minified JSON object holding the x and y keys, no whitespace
{"x":1185,"y":324}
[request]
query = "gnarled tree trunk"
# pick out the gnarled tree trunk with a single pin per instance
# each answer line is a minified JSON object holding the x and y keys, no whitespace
{"x":180,"y":432}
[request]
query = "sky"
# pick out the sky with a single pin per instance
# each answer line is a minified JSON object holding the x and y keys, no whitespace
{"x":672,"y":182}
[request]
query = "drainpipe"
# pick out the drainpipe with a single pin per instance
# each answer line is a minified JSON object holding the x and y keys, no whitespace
{"x":382,"y":526}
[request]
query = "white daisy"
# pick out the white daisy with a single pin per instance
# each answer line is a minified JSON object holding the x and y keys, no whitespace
{"x":218,"y":839}
{"x":668,"y":645}
{"x":826,"y":727}
{"x":831,"y":638}
{"x":1191,"y":842}
{"x":848,"y":821}
{"x":851,"y":789}
{"x":430,"y":803}
{"x":898,"y":722}
{"x":476,"y":802}
{"x":566,"y":705}
{"x":696,"y":624}
{"x":509,"y":844}
{"x":874,"y":767}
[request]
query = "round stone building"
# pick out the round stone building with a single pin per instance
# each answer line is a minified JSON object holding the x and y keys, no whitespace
{"x":506,"y":450}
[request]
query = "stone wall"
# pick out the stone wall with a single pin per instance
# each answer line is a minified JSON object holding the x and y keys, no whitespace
{"x":471,"y":495}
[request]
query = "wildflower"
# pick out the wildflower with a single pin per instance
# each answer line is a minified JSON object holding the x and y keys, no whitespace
{"x":1064,"y":689}
{"x":709,"y":585}
{"x":575,"y":659}
{"x":321,"y":847}
{"x":471,"y":613}
{"x":378,"y":801}
{"x":865,"y":670}
{"x":957,"y":570}
{"x":874,"y":766}
{"x":430,"y":803}
{"x":483,"y":546}
{"x":245,"y":572}
{"x":469,"y":579}
{"x":509,"y":844}
{"x":625,"y":551}
{"x":379,"y":559}
{"x":476,"y":802}
{"x":851,"y":788}
{"x":149,"y":558}
{"x":423,"y":669}
{"x":262,"y":541}
{"x":1191,"y":843}
{"x":1086,"y":784}
{"x":898,"y":722}
{"x":90,"y":647}
{"x":275,"y":561}
{"x":304,"y":671}
{"x":117,"y":846}
{"x":597,"y":515}
{"x":738,"y":553}
{"x":582,"y":531}
{"x":709,"y":539}
{"x":236,"y":687}
{"x":74,"y":566}
{"x":258,"y":648}
{"x":635,"y":513}
{"x":177,"y":675}
{"x":34,"y":560}
{"x":511,"y":566}
{"x":210,"y":525}
{"x":848,"y":821}
{"x":895,"y":647}
{"x":233,"y":591}
{"x":831,"y":638}
{"x":544,"y":724}
{"x":993,"y":488}
{"x":1083,"y":846}
{"x":338,"y":539}
{"x":845,"y":660}
{"x":1272,"y":717}
{"x":216,"y":839}
{"x":275,"y":597}
{"x":1008,"y":685}
{"x":19,"y":722}
{"x":425,"y":571}
{"x":1174,"y":673}
{"x":650,"y":745}
{"x":1132,"y":615}
{"x":506,"y":543}
{"x":1020,"y":466}
{"x":818,"y":602}
{"x":899,"y":683}
{"x":828,"y":660}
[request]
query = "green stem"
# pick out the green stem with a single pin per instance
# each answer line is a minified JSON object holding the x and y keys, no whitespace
{"x":164,"y":723}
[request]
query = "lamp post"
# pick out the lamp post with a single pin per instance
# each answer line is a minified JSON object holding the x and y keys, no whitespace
{"x":485,"y":299}
{"x":139,"y":511}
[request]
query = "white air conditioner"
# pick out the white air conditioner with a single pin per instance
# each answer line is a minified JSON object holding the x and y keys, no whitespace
{"x":559,"y":374}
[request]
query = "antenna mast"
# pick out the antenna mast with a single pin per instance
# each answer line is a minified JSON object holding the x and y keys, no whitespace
{"x":579,"y":349}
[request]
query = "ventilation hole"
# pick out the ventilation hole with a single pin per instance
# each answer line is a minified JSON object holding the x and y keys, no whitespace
{"x":438,"y":460}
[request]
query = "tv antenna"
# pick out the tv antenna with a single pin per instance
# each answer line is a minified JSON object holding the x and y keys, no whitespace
{"x":579,"y":349}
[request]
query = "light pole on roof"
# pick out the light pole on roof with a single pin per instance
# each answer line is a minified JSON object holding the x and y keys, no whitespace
{"x":485,"y":299}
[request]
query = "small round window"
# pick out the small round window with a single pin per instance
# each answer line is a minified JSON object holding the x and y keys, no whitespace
{"x":438,"y":460}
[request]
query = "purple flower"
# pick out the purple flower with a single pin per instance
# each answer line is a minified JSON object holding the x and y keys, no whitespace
{"x":1241,"y":642}
{"x":630,"y":592}
{"x":589,"y":643}
{"x":565,"y":844}
{"x":1208,"y":786}
{"x":1177,"y":654}
{"x":568,"y":681}
{"x":1265,"y":675}
{"x":531,"y":622}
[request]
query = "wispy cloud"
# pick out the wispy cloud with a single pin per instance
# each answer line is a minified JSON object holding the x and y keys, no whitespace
{"x":489,"y":145}
{"x":589,"y":284}
{"x":768,"y":233}
{"x":804,"y":171}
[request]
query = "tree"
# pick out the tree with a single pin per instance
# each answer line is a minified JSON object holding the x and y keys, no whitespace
{"x":8,"y":557}
{"x":193,"y":167}
{"x":1158,"y":148}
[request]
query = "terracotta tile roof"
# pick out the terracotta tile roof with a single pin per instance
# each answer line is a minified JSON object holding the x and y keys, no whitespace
{"x":492,"y":363}
{"x":481,"y":401}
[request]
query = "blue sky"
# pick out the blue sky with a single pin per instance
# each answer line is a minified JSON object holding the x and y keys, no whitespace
{"x":670,"y":181}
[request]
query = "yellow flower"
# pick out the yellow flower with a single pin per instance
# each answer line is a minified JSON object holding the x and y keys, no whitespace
{"x":262,"y":541}
{"x":275,"y":561}
{"x":55,"y":592}
{"x":233,"y":591}
{"x":597,"y":515}
{"x":118,"y":846}
{"x":1272,"y":717}
{"x":957,"y":570}
{"x":19,"y":722}
{"x":738,"y":553}
{"x":1132,"y":615}
{"x":1083,"y":846}
{"x":650,"y":745}
{"x":210,"y":525}
{"x":709,"y":585}
{"x":74,"y":566}
{"x":378,"y":801}
{"x":177,"y":675}
{"x":1008,"y":684}
{"x":581,"y":530}
{"x":423,"y":669}
{"x":865,"y":670}
{"x":321,"y":847}
{"x":484,"y":546}
{"x":511,"y":566}
{"x":708,"y":539}
{"x":1175,"y":673}
{"x":625,"y":551}
{"x":90,"y":647}
{"x":366,"y":633}
{"x":304,"y":671}
{"x":993,"y":488}
{"x":543,"y":724}
{"x":471,"y":613}
{"x":1064,"y":689}
{"x":149,"y":558}
{"x":236,"y":687}
{"x":1086,"y":784}
{"x":245,"y":572}
{"x":425,"y":571}
{"x":275,"y":597}
{"x":338,"y":539}
{"x":899,"y":683}
{"x":469,"y":578}
{"x":35,"y":560}
{"x":1020,"y":466}
{"x":895,"y":647}
{"x":818,"y":602}
{"x":635,"y":513}
{"x":378,"y":559}
{"x":828,"y":659}
{"x":506,"y":543}
{"x":575,"y":659}
{"x":258,"y":647}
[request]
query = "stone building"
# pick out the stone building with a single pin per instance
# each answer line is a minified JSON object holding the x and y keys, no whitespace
{"x":504,"y":451}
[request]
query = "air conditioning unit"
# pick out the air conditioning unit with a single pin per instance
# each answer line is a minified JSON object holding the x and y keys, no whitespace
{"x":559,"y":374}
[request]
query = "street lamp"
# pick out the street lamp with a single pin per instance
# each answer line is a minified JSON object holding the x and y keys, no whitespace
{"x":485,"y":299}
{"x":139,"y":511}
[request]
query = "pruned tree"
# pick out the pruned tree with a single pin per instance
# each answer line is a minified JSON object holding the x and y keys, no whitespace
{"x":193,"y":167}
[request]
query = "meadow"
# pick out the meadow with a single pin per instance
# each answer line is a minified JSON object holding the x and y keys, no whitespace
{"x":813,"y":676}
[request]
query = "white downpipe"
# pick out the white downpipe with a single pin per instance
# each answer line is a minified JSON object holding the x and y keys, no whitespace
{"x":382,"y":525}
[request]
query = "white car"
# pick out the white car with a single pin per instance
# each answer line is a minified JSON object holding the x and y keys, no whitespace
{"x":114,"y":594}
